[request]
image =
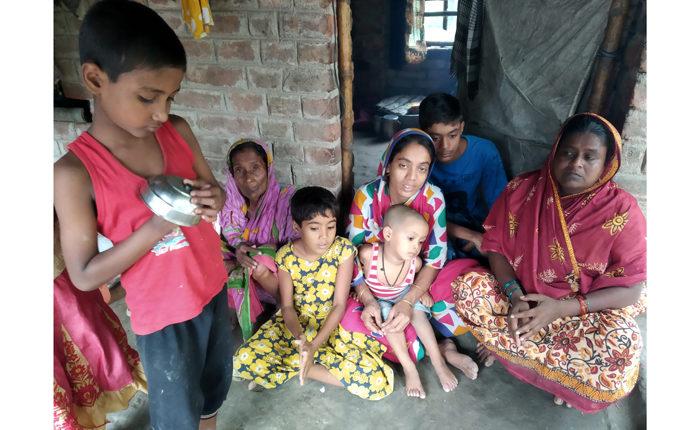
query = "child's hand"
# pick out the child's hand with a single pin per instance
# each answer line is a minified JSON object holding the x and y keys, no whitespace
{"x":306,"y":358}
{"x":427,"y":300}
{"x":259,"y":271}
{"x":209,"y":198}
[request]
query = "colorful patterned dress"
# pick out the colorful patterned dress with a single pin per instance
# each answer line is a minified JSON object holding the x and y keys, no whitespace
{"x":269,"y":357}
{"x":369,"y":205}
{"x":558,"y":247}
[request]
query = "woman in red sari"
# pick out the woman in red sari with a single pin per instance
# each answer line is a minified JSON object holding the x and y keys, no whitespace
{"x":567,"y":252}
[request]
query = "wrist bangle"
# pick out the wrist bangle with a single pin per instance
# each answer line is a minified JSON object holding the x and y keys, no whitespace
{"x":420,"y":288}
{"x":407,"y":301}
{"x":359,"y":296}
{"x":582,"y":304}
{"x":510,"y":287}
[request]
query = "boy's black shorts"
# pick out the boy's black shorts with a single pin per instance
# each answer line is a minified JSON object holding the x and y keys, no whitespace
{"x":188,"y":367}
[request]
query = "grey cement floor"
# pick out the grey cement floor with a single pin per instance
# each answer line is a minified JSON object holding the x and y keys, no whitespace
{"x":495,"y":400}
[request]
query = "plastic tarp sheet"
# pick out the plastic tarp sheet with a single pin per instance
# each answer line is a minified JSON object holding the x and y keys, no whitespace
{"x":537,"y":57}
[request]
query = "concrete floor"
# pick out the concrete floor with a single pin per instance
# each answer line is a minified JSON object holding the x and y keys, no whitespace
{"x":494,"y":401}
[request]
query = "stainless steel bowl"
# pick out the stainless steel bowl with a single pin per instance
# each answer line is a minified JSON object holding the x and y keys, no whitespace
{"x":169,"y":197}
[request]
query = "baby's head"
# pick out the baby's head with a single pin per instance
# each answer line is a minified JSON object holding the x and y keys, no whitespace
{"x":314,"y":211}
{"x":132,"y":62}
{"x":404,"y":231}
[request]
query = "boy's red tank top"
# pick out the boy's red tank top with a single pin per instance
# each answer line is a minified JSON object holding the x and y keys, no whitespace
{"x":182,"y":272}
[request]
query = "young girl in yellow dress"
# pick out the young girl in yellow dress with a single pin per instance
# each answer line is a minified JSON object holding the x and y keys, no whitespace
{"x":305,"y":337}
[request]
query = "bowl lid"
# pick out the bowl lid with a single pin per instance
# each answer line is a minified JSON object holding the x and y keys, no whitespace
{"x":173,"y":191}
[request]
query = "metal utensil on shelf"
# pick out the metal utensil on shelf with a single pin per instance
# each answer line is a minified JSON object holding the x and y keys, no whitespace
{"x":169,"y":197}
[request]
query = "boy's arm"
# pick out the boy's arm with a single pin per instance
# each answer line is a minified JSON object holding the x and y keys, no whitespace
{"x":340,"y":297}
{"x":74,"y":204}
{"x":208,"y":193}
{"x":289,"y":314}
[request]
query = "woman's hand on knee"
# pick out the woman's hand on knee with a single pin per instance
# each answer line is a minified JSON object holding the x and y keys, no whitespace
{"x":243,"y":258}
{"x":399,"y":317}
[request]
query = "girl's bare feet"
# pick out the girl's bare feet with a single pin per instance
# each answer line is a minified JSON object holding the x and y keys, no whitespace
{"x":252,"y":386}
{"x":414,"y":388}
{"x":461,"y":361}
{"x":447,"y":379}
{"x":485,"y":355}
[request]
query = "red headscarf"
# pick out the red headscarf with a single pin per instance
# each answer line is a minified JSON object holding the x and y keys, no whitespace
{"x":581,"y":242}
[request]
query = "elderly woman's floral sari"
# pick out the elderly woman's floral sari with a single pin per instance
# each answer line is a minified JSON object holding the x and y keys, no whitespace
{"x":366,"y":217}
{"x":559,"y":246}
{"x":268,"y":228}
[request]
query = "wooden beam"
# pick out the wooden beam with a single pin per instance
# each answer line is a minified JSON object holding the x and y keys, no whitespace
{"x":347,"y":116}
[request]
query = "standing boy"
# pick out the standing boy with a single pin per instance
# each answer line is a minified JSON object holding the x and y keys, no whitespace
{"x":133,"y":64}
{"x":468,"y":170}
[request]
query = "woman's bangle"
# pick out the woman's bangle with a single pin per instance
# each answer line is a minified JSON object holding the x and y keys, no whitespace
{"x":510,"y":287}
{"x":582,"y":304}
{"x":420,"y":288}
{"x":407,"y":301}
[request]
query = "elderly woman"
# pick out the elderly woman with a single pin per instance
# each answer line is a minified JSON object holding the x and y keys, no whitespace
{"x":567,"y":252}
{"x":255,"y":221}
{"x":403,"y":179}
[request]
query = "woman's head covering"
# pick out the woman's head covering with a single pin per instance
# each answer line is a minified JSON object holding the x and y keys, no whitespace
{"x":271,"y":222}
{"x":580,"y":242}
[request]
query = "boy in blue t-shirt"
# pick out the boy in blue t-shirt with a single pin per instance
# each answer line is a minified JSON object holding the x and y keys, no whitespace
{"x":468,"y":170}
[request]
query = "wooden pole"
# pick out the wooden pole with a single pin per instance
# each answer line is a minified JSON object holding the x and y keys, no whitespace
{"x":347,"y":116}
{"x":607,"y":55}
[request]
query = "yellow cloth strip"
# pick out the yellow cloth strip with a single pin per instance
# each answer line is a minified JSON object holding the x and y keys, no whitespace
{"x":197,"y":17}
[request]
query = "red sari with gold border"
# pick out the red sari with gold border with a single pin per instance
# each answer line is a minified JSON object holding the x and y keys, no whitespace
{"x":559,"y":246}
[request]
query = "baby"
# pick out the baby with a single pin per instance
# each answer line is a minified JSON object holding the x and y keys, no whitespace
{"x":389,"y":269}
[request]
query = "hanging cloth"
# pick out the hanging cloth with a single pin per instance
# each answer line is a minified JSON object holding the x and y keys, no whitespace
{"x":416,"y":48}
{"x":197,"y":17}
{"x":466,"y":51}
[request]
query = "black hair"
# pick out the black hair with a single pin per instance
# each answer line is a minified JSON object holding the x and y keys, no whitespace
{"x":589,"y":124}
{"x":120,"y":36}
{"x":246,"y":146}
{"x":439,"y":108}
{"x":309,"y":202}
{"x":423,"y":141}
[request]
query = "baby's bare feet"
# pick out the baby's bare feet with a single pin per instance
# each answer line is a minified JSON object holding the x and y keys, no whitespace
{"x":447,"y":379}
{"x":461,"y":361}
{"x":414,"y":388}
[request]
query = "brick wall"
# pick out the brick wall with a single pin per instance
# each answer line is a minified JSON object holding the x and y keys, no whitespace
{"x":633,"y":172}
{"x":267,"y":69}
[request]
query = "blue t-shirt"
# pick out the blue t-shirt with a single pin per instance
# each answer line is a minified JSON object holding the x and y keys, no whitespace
{"x":471,"y":183}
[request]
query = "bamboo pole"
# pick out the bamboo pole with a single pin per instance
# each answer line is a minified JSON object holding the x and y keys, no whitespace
{"x":347,"y":116}
{"x":608,"y":55}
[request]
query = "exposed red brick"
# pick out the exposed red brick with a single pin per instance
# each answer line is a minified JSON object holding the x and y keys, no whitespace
{"x":262,"y":24}
{"x":188,"y":115}
{"x":316,"y":52}
{"x":264,"y":78}
{"x":229,"y":24}
{"x":217,"y":5}
{"x":174,"y":20}
{"x":213,"y":146}
{"x":287,"y":106}
{"x":287,"y":151}
{"x":315,"y":107}
{"x":276,"y":4}
{"x":237,"y":50}
{"x":283,"y":172}
{"x":312,"y":4}
{"x":278,"y":51}
{"x":271,"y":129}
{"x":164,"y":4}
{"x":227,"y":124}
{"x":322,"y":156}
{"x":309,"y":80}
{"x":201,"y":49}
{"x":211,"y":74}
{"x":243,"y":101}
{"x":306,"y":25}
{"x":307,"y":131}
{"x":197,"y":99}
{"x":328,"y":177}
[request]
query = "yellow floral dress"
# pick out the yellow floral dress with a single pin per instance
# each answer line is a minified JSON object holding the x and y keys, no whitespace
{"x":269,"y":358}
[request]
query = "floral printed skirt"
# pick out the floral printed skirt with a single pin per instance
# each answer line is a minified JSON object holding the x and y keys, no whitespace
{"x":270,"y":359}
{"x":589,"y":361}
{"x":95,"y":370}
